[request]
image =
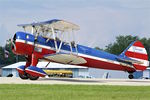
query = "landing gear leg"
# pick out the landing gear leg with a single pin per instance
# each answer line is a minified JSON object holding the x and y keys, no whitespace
{"x":28,"y":61}
{"x":34,"y":61}
{"x":24,"y":74}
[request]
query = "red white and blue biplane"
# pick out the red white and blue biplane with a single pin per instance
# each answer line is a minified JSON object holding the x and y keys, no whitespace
{"x":52,"y":41}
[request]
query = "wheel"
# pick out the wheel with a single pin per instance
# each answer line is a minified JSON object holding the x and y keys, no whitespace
{"x":130,"y":76}
{"x":32,"y":77}
{"x":23,"y":76}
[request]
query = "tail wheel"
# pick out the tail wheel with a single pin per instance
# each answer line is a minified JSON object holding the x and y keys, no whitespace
{"x":130,"y":76}
{"x":32,"y":77}
{"x":23,"y":76}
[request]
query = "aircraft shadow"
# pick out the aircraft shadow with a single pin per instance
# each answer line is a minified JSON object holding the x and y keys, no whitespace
{"x":80,"y":80}
{"x":71,"y":80}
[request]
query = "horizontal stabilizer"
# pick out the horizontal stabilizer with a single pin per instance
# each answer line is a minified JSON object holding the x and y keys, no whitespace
{"x":129,"y":60}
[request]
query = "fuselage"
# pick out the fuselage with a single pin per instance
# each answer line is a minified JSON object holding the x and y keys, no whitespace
{"x":25,"y":44}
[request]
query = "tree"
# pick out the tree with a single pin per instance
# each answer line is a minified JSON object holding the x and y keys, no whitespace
{"x":97,"y":48}
{"x":1,"y":56}
{"x":12,"y":58}
{"x":122,"y":42}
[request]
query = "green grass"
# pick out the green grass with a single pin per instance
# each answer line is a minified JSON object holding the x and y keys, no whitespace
{"x":73,"y":92}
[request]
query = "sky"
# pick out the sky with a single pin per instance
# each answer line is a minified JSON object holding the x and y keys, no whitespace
{"x":100,"y":21}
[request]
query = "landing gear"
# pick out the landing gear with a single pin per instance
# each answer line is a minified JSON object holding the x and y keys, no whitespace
{"x":32,"y":77}
{"x":23,"y":76}
{"x":130,"y":76}
{"x":28,"y":76}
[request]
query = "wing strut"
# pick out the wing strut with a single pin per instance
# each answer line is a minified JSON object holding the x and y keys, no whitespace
{"x":54,"y":38}
{"x":47,"y":64}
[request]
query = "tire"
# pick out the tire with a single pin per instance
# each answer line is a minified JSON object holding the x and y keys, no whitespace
{"x":32,"y":77}
{"x":23,"y":76}
{"x":130,"y":76}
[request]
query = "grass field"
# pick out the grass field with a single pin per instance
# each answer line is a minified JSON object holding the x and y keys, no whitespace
{"x":73,"y":92}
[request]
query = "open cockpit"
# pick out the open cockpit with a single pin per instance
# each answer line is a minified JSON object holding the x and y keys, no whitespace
{"x":62,"y":32}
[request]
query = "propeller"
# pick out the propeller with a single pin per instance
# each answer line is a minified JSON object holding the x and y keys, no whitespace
{"x":13,"y":42}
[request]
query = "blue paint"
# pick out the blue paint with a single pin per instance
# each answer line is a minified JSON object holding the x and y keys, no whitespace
{"x":40,"y":23}
{"x":123,"y":53}
{"x":22,"y":67}
{"x":36,"y":69}
{"x":81,"y":49}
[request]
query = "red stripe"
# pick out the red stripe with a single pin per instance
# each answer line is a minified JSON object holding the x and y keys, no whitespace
{"x":20,"y":71}
{"x":136,"y":55}
{"x":140,"y":67}
{"x":138,"y":44}
{"x":93,"y":63}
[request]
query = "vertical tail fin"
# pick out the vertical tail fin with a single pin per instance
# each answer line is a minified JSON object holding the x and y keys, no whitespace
{"x":137,"y":52}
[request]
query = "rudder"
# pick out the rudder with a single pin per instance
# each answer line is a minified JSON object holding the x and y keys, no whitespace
{"x":137,"y":51}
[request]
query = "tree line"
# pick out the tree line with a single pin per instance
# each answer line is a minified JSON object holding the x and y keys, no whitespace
{"x":10,"y":57}
{"x":122,"y":42}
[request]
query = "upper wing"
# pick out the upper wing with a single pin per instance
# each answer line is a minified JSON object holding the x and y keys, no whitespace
{"x":56,"y":24}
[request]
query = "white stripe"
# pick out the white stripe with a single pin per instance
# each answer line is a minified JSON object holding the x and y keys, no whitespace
{"x":20,"y":69}
{"x":145,"y":62}
{"x":98,"y":58}
{"x":79,"y":54}
{"x":137,"y":49}
{"x":32,"y":43}
{"x":43,"y":46}
{"x":35,"y":71}
{"x":18,"y":40}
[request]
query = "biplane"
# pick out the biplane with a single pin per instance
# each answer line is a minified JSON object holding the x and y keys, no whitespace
{"x":54,"y":41}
